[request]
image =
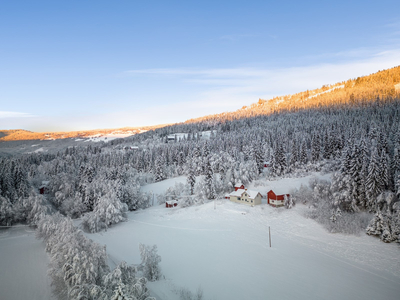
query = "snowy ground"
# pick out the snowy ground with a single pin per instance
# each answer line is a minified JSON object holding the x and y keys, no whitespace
{"x":162,"y":186}
{"x":106,"y":137}
{"x":285,"y":185}
{"x":23,"y":265}
{"x":226,"y":252}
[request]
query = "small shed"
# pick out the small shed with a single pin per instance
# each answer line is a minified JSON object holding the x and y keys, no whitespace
{"x":276,"y":200}
{"x":239,"y":186}
{"x":267,"y":164}
{"x":171,"y":203}
{"x":43,"y":188}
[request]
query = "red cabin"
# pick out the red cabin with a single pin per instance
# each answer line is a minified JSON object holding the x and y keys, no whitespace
{"x":239,"y":186}
{"x":43,"y":189}
{"x":276,"y":200}
{"x":171,"y":203}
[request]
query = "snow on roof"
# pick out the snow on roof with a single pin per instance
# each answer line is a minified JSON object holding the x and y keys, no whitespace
{"x":239,"y":193}
{"x":238,"y":184}
{"x":171,"y":202}
{"x":252,"y":194}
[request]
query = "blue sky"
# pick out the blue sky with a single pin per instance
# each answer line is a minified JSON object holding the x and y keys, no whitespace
{"x":71,"y":65}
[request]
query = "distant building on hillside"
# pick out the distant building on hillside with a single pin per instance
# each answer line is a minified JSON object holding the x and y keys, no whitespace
{"x":43,"y":188}
{"x":245,"y":196}
{"x":131,"y":148}
{"x":397,"y":87}
{"x":276,"y":200}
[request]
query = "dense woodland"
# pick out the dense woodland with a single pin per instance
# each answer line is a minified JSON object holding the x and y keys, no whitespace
{"x":357,"y":139}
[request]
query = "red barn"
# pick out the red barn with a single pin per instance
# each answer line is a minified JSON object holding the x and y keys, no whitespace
{"x":239,"y":186}
{"x":276,"y":200}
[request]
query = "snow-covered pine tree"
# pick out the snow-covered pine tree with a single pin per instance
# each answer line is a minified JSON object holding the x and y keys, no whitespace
{"x":375,"y":226}
{"x":150,"y":261}
{"x":279,"y":164}
{"x":289,"y":202}
{"x":373,"y":182}
{"x":315,"y":148}
{"x":209,"y":179}
{"x":159,"y":174}
{"x":119,"y":293}
{"x":346,"y":162}
{"x":258,"y":157}
{"x":395,"y":165}
{"x":384,"y":167}
{"x":294,"y":154}
{"x":303,"y":153}
{"x":398,"y":185}
{"x":191,"y":179}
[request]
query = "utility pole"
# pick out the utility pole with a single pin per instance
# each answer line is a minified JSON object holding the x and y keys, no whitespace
{"x":269,"y":230}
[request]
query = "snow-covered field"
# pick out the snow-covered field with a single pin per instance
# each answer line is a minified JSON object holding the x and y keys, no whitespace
{"x":223,"y":247}
{"x":105,"y":138}
{"x":23,"y":265}
{"x":226,"y":252}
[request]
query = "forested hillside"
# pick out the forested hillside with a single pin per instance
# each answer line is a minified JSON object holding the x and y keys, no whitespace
{"x":360,"y":142}
{"x":383,"y":85}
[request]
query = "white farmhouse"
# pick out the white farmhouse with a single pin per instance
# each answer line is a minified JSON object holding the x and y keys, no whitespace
{"x":246,"y":196}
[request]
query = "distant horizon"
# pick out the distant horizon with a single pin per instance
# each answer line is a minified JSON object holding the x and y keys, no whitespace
{"x":93,"y":129}
{"x":74,"y":66}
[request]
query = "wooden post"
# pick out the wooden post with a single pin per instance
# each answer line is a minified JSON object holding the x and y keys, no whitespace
{"x":269,"y":230}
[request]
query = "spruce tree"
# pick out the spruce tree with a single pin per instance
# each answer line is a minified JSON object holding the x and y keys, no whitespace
{"x":209,"y":180}
{"x":191,"y":179}
{"x":315,"y":148}
{"x":303,"y":154}
{"x":373,"y":182}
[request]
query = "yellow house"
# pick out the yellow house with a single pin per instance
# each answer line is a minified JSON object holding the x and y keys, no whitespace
{"x":245,"y":196}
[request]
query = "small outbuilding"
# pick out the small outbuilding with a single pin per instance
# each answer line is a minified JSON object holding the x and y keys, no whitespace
{"x":171,"y":203}
{"x":239,"y":186}
{"x":43,"y":188}
{"x":276,"y":200}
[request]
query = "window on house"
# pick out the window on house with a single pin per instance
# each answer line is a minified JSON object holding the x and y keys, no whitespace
{"x":239,"y":198}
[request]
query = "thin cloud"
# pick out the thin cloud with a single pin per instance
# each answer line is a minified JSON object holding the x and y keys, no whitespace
{"x":13,"y":114}
{"x":228,"y":89}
